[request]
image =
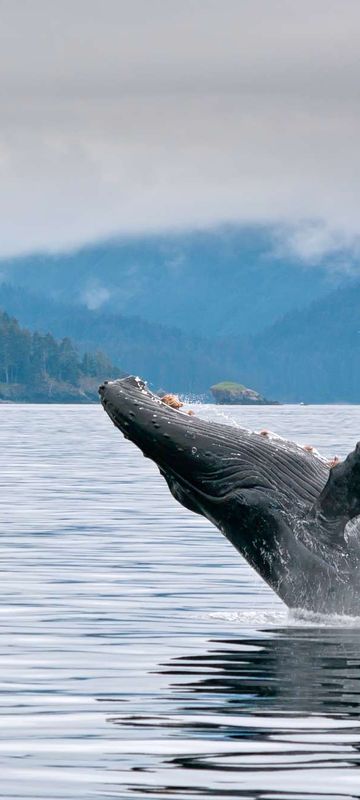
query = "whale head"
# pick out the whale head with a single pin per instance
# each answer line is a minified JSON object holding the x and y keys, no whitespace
{"x":253,"y":488}
{"x":212,"y":462}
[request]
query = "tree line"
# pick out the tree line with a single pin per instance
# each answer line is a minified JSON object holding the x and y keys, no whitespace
{"x":29,"y":358}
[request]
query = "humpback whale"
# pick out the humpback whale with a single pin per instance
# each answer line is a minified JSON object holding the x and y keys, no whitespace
{"x":291,"y":516}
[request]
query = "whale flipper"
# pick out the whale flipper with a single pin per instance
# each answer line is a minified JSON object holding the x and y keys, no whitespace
{"x":340,"y":497}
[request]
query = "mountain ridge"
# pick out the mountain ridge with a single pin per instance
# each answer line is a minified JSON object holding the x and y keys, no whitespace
{"x":226,"y":281}
{"x":287,"y":330}
{"x":310,"y":355}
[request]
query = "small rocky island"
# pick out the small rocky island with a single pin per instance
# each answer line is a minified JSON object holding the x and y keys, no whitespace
{"x":228,"y":392}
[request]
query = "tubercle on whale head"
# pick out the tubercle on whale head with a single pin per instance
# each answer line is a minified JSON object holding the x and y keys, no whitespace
{"x":122,"y":396}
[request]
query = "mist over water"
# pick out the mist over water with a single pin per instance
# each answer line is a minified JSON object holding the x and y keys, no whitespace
{"x":139,"y":654}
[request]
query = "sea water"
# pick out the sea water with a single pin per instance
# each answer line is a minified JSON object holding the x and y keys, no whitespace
{"x":139,"y":654}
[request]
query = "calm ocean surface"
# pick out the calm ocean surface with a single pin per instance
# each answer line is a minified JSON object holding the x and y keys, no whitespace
{"x":139,"y":655}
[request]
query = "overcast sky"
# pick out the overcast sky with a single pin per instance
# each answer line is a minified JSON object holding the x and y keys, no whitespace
{"x":135,"y":115}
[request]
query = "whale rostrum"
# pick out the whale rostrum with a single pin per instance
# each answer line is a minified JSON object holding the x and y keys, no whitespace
{"x":291,"y":516}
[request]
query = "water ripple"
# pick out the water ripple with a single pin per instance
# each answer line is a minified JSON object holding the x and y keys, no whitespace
{"x":139,"y":655}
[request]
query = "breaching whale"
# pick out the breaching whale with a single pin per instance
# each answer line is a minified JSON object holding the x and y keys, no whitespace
{"x":282,"y":507}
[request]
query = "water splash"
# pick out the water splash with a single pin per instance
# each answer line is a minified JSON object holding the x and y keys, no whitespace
{"x":286,"y":618}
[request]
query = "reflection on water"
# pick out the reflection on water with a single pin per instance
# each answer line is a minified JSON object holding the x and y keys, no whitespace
{"x":274,"y":712}
{"x":139,"y":655}
{"x":297,"y":671}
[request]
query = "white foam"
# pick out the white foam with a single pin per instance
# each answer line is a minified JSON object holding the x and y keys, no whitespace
{"x":298,"y":618}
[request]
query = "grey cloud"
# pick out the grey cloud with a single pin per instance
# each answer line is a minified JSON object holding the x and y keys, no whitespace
{"x":312,"y":240}
{"x":94,"y":295}
{"x":150,"y":114}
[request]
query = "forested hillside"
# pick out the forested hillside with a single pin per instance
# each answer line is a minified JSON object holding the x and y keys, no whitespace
{"x":166,"y":356}
{"x":311,"y":355}
{"x":35,"y":367}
